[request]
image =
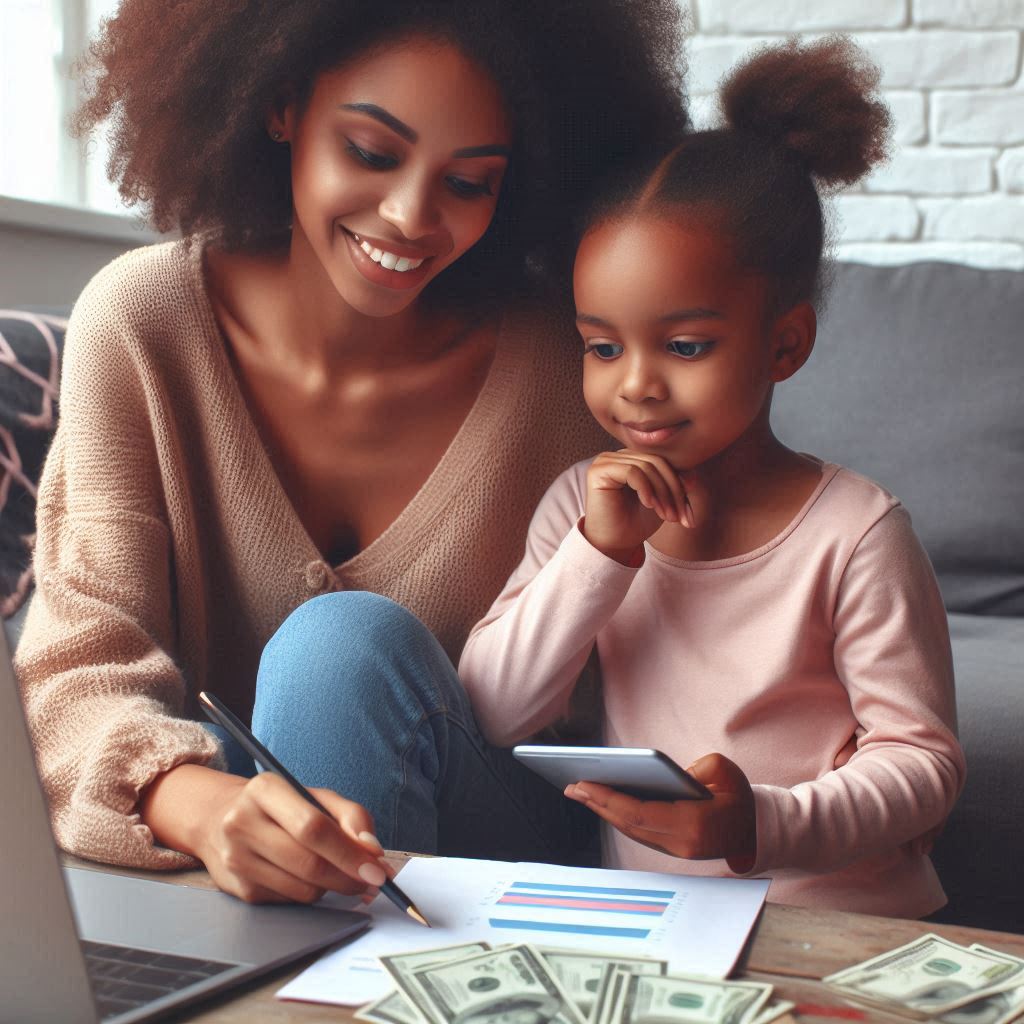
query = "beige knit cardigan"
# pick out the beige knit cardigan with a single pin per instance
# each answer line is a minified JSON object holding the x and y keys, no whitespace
{"x":167,"y":551}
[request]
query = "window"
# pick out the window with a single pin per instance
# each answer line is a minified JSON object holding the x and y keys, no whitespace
{"x":39,"y":42}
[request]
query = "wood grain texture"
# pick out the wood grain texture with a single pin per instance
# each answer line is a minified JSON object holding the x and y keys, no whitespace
{"x":791,"y":948}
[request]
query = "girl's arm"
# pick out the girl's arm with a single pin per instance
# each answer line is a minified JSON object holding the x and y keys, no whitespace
{"x":892,"y":652}
{"x":522,"y":659}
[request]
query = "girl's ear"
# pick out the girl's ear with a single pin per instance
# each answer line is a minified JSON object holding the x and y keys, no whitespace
{"x":792,"y":340}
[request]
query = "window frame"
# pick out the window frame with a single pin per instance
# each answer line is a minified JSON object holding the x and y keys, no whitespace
{"x":70,"y":211}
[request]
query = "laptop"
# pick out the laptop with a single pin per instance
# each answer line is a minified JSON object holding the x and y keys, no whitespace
{"x":86,"y":946}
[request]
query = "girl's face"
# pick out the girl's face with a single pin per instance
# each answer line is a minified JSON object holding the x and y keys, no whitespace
{"x":397,"y":161}
{"x":679,"y":360}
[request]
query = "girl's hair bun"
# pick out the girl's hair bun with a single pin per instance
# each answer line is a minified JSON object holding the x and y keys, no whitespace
{"x":816,"y":100}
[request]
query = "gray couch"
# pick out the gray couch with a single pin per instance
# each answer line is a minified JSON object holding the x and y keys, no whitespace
{"x":917,"y":381}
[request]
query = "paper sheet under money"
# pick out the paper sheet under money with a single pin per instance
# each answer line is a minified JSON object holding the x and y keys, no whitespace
{"x":698,"y":924}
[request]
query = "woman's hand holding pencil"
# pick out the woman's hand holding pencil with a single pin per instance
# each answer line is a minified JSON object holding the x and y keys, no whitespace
{"x":270,"y":840}
{"x":265,"y":844}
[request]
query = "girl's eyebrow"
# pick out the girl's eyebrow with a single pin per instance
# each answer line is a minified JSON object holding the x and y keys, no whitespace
{"x":410,"y":135}
{"x":680,"y":314}
{"x":697,"y":313}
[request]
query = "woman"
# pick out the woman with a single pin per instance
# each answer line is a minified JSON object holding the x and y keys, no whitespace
{"x":336,"y":384}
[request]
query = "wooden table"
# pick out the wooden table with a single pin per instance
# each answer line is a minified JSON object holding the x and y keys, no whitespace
{"x":790,"y":947}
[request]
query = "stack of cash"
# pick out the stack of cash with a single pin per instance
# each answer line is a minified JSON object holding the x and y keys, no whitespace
{"x":934,"y":979}
{"x":522,"y":984}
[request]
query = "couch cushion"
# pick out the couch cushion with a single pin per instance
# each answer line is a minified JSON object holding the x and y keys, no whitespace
{"x":917,"y":381}
{"x":980,"y":853}
{"x":30,"y":347}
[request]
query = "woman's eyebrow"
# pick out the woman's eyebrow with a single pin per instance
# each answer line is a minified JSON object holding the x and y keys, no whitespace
{"x":401,"y":128}
{"x":385,"y":118}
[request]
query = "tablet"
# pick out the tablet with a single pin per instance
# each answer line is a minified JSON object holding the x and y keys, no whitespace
{"x":637,"y":771}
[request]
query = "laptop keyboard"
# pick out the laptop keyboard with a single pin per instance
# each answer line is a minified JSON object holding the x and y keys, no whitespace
{"x":124,"y":978}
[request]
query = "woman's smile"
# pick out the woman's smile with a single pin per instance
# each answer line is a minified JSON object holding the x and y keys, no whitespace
{"x":389,"y":264}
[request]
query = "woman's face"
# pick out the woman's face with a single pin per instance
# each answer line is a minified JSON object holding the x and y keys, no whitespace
{"x":397,"y":161}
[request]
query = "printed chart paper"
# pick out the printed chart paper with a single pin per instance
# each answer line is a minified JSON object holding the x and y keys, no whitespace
{"x":697,"y":924}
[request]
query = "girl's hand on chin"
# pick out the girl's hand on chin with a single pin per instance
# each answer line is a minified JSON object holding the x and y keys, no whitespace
{"x":694,"y":829}
{"x":629,"y":495}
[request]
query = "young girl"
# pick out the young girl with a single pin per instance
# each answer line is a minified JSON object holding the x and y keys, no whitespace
{"x":765,"y":618}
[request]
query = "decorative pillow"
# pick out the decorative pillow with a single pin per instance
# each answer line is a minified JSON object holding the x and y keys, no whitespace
{"x":30,"y":350}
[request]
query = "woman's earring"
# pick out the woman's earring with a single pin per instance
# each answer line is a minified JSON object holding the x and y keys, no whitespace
{"x":277,"y":135}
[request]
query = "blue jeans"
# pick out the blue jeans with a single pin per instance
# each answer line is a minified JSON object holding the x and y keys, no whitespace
{"x":355,"y":694}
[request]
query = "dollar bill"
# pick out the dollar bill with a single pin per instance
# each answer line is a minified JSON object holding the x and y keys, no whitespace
{"x":610,"y":995}
{"x":402,"y":968}
{"x":996,"y":1008}
{"x":502,"y":986}
{"x":393,"y":1008}
{"x":679,"y":999}
{"x":582,"y":974}
{"x":928,"y":977}
{"x":773,"y":1012}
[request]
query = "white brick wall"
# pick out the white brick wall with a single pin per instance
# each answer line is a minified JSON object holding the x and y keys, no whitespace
{"x":952,"y":75}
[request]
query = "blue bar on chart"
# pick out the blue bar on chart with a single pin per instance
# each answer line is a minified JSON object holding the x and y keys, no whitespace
{"x":566,"y":908}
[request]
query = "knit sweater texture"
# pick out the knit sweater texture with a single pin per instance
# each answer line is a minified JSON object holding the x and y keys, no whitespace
{"x":168,"y":553}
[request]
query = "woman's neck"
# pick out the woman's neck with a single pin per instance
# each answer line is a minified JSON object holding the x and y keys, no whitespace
{"x":326,"y":331}
{"x":279,"y":303}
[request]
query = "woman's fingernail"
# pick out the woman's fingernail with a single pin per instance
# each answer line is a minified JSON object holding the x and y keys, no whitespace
{"x":581,"y":793}
{"x":370,"y":840}
{"x":372,"y":874}
{"x":371,"y":894}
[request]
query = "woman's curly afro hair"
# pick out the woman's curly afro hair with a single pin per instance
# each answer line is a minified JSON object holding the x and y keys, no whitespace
{"x":185,"y":86}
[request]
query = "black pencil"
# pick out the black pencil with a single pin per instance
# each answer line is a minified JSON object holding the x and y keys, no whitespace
{"x":218,"y":713}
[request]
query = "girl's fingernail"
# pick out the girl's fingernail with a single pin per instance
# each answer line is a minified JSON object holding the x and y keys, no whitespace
{"x":370,"y":840}
{"x":372,"y":874}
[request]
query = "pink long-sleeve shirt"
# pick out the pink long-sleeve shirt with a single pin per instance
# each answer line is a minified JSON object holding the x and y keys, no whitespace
{"x":820,"y":663}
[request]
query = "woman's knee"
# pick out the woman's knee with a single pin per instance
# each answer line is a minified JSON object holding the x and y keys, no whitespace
{"x":345,"y":642}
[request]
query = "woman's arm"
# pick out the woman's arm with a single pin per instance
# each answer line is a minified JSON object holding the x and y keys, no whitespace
{"x":103,"y":694}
